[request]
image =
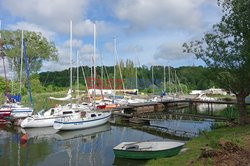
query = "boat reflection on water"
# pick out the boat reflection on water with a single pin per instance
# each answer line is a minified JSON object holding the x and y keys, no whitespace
{"x":38,"y":134}
{"x":65,"y":135}
{"x":50,"y":134}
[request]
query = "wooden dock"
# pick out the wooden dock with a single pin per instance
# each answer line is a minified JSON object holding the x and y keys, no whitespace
{"x":154,"y":110}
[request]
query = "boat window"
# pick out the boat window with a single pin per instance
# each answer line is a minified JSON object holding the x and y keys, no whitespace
{"x":99,"y":114}
{"x":52,"y":112}
{"x":67,"y":112}
{"x":93,"y":115}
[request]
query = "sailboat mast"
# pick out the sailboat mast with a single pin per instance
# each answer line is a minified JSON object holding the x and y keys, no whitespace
{"x":114,"y":64}
{"x":169,"y":81}
{"x":28,"y":72}
{"x":21,"y":67}
{"x":153,"y":80}
{"x":77,"y":68}
{"x":102,"y":72}
{"x":164,"y":79}
{"x":94,"y":63}
{"x":71,"y":61}
{"x":135,"y":77}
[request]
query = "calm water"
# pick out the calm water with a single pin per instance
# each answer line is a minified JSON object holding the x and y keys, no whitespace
{"x":93,"y":146}
{"x":83,"y":147}
{"x":46,"y":146}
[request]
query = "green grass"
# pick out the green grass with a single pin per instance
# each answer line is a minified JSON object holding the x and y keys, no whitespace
{"x":191,"y":156}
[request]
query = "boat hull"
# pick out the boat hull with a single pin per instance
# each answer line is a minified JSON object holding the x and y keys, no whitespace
{"x":147,"y":154}
{"x":5,"y":113}
{"x":76,"y":125}
{"x":37,"y":122}
{"x":21,"y":112}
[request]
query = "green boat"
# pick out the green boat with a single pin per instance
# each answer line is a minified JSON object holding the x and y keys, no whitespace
{"x":147,"y":150}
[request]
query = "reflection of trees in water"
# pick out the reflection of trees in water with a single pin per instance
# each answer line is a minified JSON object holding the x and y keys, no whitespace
{"x":27,"y":154}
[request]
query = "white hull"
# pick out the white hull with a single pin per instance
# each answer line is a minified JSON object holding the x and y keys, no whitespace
{"x":21,"y":112}
{"x":38,"y":122}
{"x":81,"y":123}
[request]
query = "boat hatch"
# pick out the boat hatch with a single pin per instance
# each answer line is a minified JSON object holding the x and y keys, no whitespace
{"x":131,"y":147}
{"x":93,"y":115}
{"x":67,"y":112}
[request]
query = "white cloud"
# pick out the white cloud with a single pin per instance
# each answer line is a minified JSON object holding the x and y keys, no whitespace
{"x":56,"y":14}
{"x":32,"y":27}
{"x":133,"y":49}
{"x":171,"y":51}
{"x":184,"y":14}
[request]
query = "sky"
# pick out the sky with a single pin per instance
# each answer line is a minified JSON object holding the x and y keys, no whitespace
{"x":149,"y":32}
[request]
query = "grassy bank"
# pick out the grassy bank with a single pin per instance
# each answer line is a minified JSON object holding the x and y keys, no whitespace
{"x":239,"y":135}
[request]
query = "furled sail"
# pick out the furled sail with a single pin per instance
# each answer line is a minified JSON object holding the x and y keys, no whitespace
{"x":68,"y":97}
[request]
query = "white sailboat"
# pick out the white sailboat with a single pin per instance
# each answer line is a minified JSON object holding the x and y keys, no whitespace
{"x":47,"y":118}
{"x":84,"y":119}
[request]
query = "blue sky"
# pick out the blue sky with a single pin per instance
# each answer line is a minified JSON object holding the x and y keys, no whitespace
{"x":152,"y":30}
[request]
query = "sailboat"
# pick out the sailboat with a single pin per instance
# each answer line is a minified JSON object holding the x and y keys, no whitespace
{"x":19,"y":111}
{"x":13,"y":108}
{"x":47,"y":118}
{"x":84,"y":119}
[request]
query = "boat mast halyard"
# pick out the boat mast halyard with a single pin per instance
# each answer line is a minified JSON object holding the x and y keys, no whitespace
{"x":94,"y":104}
{"x":71,"y":62}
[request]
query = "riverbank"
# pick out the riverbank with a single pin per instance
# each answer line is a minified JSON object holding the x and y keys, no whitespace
{"x":238,"y":135}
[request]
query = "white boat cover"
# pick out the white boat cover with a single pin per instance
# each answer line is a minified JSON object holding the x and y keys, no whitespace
{"x":68,"y":97}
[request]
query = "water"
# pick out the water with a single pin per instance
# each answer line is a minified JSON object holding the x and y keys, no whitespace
{"x":48,"y":147}
{"x":184,"y":126}
{"x":93,"y":146}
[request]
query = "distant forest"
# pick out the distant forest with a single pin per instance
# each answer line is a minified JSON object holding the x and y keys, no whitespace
{"x":195,"y":77}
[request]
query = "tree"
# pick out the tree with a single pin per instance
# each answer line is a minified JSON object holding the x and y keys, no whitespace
{"x":226,"y":50}
{"x":38,"y":49}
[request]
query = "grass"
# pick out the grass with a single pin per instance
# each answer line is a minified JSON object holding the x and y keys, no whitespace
{"x":237,"y":135}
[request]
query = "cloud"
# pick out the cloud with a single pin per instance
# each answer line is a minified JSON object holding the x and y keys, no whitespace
{"x":184,"y":14}
{"x":56,"y":14}
{"x":85,"y":54}
{"x":171,"y":51}
{"x":32,"y":27}
{"x":133,"y":49}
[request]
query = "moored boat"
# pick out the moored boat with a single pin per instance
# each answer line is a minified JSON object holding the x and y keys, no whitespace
{"x":47,"y":118}
{"x":147,"y":150}
{"x":82,"y":120}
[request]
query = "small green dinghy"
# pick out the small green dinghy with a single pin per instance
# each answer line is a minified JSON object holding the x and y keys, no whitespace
{"x":147,"y":150}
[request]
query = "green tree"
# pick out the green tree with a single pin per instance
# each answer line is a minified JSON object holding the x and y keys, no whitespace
{"x":226,"y":49}
{"x":38,"y":49}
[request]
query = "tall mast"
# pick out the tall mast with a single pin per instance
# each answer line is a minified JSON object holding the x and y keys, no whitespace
{"x":71,"y":61}
{"x":114,"y":64}
{"x":77,"y":68}
{"x":94,"y":62}
{"x":164,"y":79}
{"x":169,"y":81}
{"x":135,"y":77}
{"x":102,"y":72}
{"x":153,"y":80}
{"x":21,"y":67}
{"x":28,"y":72}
